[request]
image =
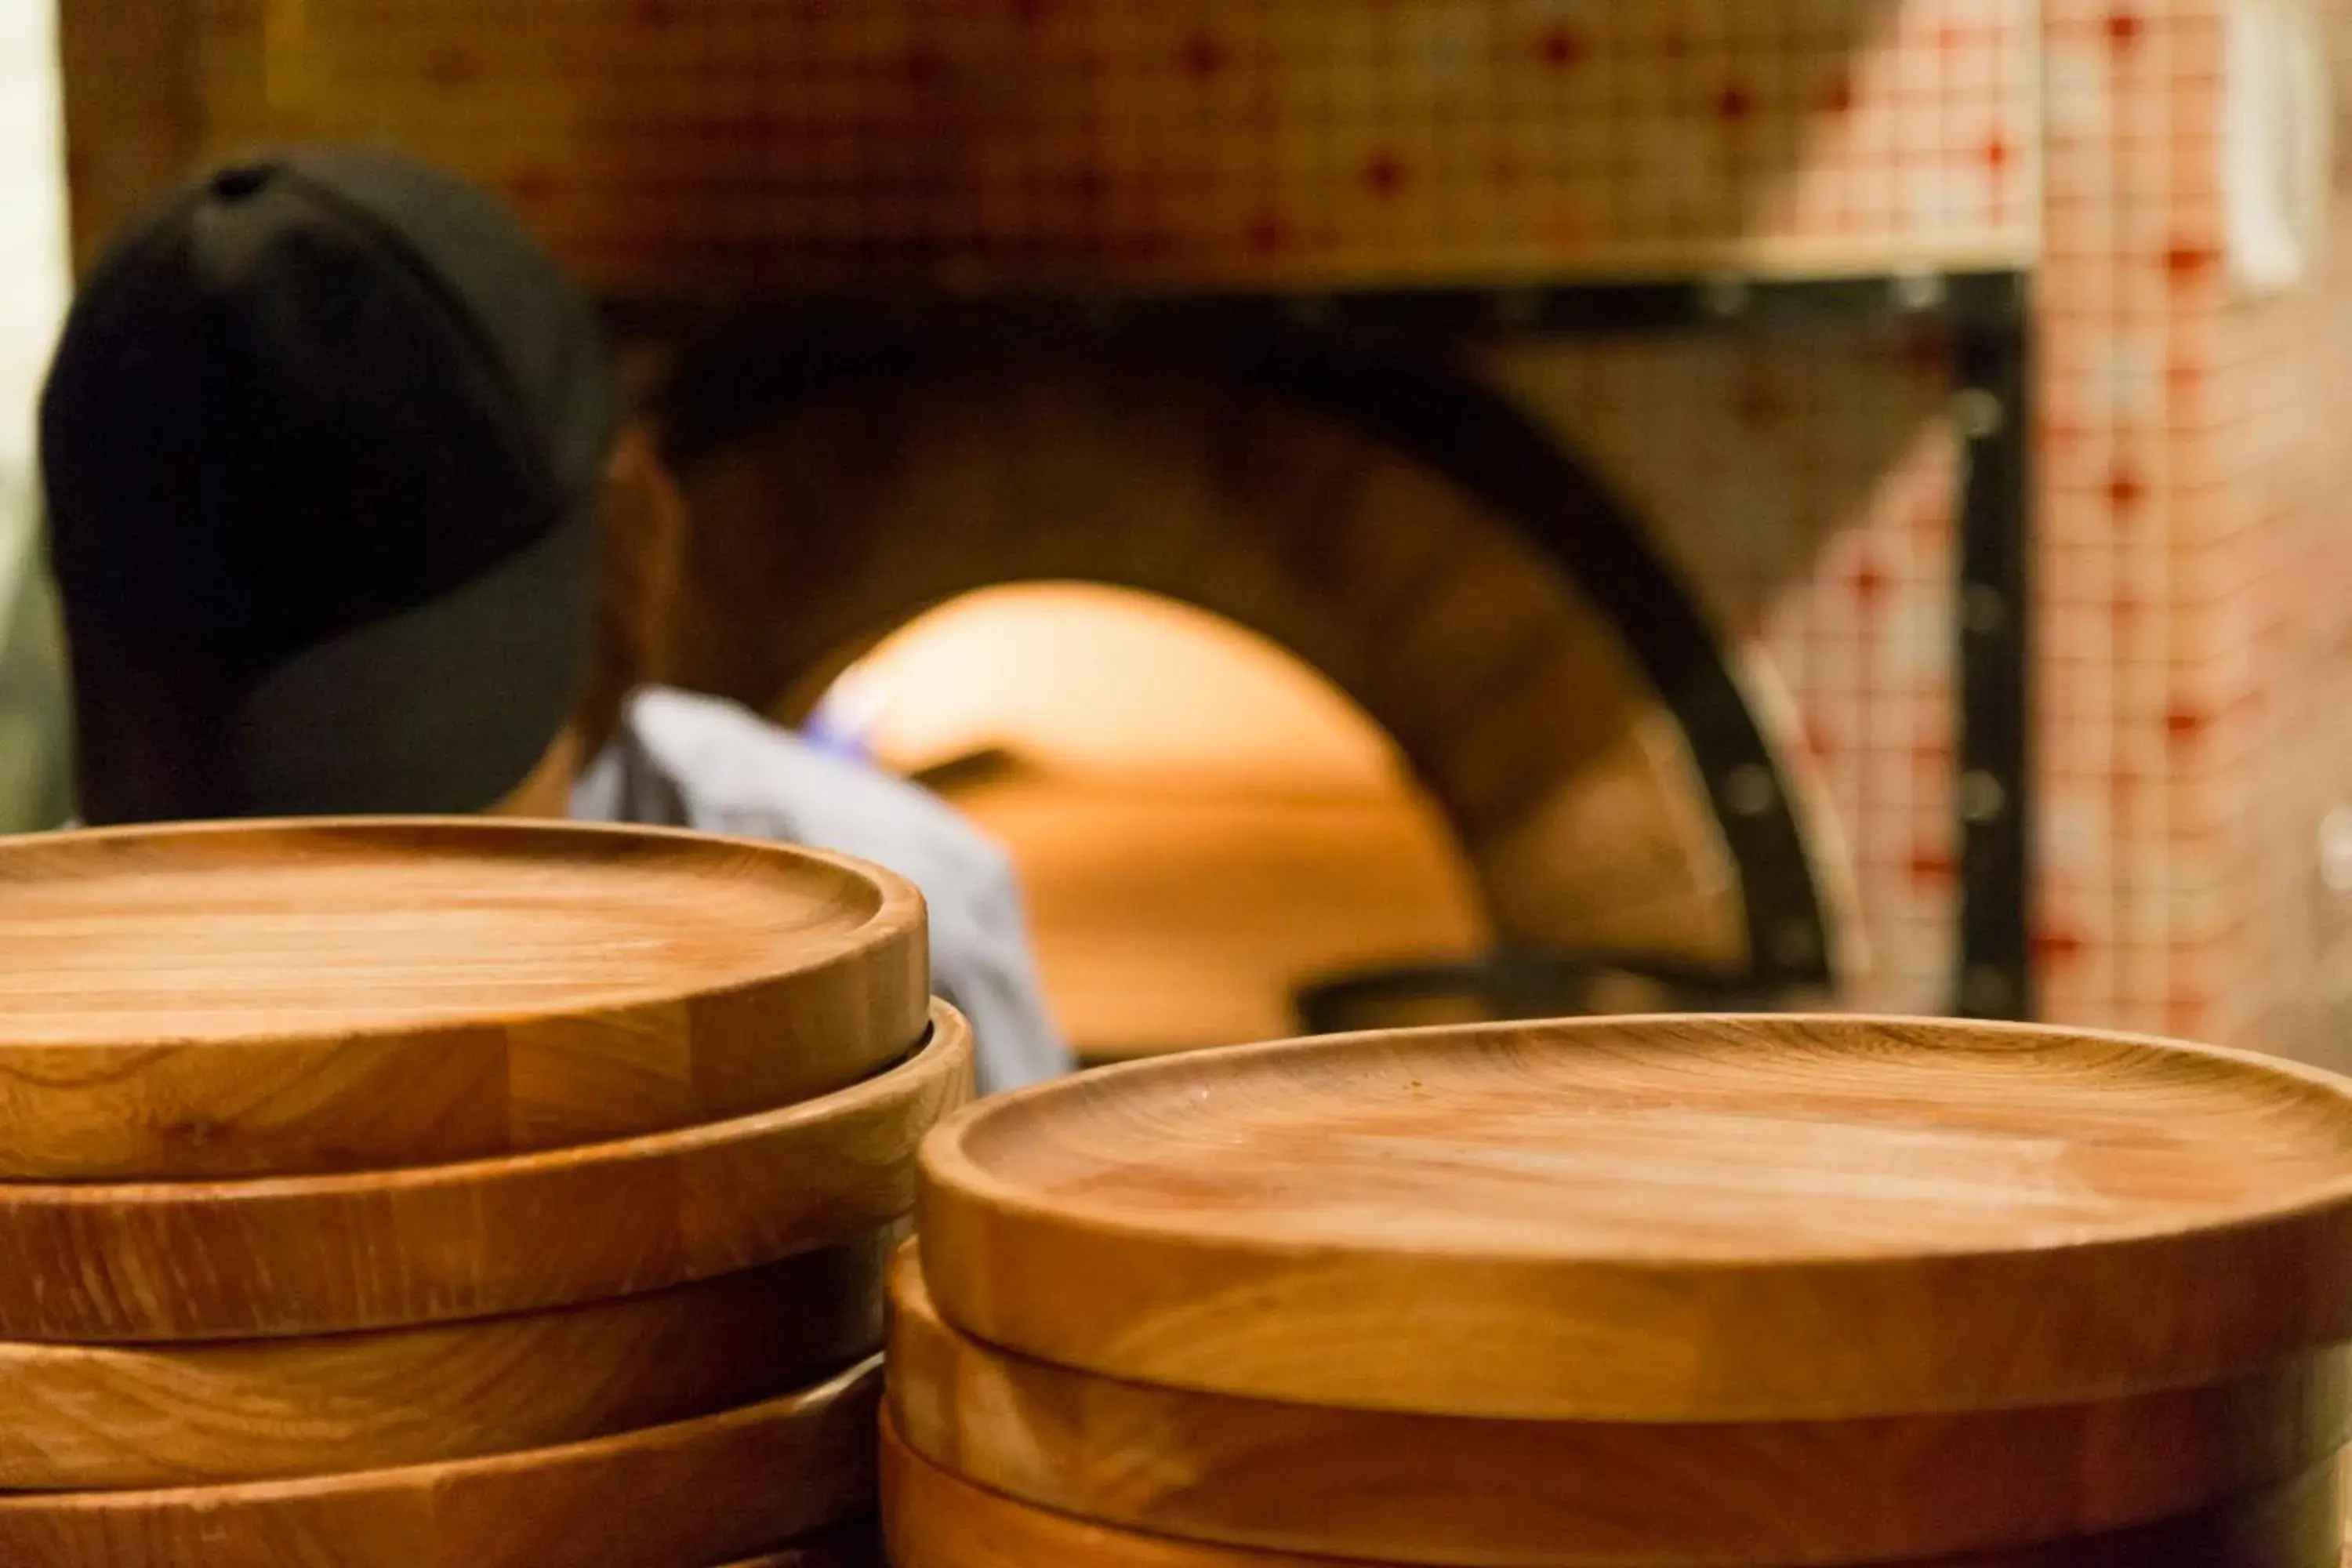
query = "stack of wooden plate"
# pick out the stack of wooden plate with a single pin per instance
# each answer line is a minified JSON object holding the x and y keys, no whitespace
{"x":1642,"y":1293}
{"x":450,"y":1194}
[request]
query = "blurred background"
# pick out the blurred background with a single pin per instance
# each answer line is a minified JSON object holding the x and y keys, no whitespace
{"x":33,"y":286}
{"x":1508,"y":504}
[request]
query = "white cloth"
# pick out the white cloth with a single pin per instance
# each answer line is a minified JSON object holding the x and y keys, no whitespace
{"x":684,"y":761}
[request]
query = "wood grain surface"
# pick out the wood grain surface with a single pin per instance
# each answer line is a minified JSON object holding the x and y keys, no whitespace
{"x":100,"y":1418}
{"x":707,"y":1491}
{"x":288,"y":1255}
{"x":933,"y":1518}
{"x":1540,"y":1494}
{"x":1658,"y":1219}
{"x":293,"y":998}
{"x":856,"y":1546}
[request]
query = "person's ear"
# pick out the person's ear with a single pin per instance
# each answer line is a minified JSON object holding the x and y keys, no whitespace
{"x":646,"y":531}
{"x":642,"y":523}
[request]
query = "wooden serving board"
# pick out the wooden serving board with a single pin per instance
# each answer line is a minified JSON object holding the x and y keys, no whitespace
{"x":103,"y":1417}
{"x":1658,"y":1219}
{"x":933,"y":1518}
{"x":287,"y":1256}
{"x":292,"y":998}
{"x":697,"y":1492}
{"x":1535,"y":1494}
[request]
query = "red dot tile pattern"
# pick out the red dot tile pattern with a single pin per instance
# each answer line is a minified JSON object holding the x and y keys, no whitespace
{"x":817,"y":142}
{"x":2193,"y":495}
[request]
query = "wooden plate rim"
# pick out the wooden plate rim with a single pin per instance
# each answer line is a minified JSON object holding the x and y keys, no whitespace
{"x":951,"y":1174}
{"x":848,"y":1283}
{"x":1173,"y":1552}
{"x":844,"y":1384}
{"x":898,"y":914}
{"x":948,"y":1036}
{"x":1006,"y":1380}
{"x":269,"y":1272}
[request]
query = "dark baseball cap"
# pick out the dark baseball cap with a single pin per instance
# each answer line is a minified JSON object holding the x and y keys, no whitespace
{"x":323,"y":440}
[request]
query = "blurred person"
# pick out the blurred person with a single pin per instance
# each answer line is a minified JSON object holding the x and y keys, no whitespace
{"x":327,"y":443}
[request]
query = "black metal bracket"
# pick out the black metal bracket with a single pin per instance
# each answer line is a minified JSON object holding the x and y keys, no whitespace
{"x":1990,"y":406}
{"x":1388,"y":359}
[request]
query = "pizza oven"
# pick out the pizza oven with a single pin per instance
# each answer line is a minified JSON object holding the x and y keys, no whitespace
{"x":1631,"y":416}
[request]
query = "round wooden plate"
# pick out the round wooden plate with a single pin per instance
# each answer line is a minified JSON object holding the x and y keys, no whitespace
{"x":104,"y":1418}
{"x":285,"y":1255}
{"x":1538,"y":1494}
{"x":1658,"y":1219}
{"x":284,"y":997}
{"x":932,"y":1519}
{"x":707,"y":1491}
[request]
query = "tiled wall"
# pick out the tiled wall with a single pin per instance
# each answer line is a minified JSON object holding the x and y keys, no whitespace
{"x":1184,"y":139}
{"x":2129,"y":339}
{"x":2279,"y":443}
{"x":2194,"y":551}
{"x":2195,"y":520}
{"x":2192,"y":496}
